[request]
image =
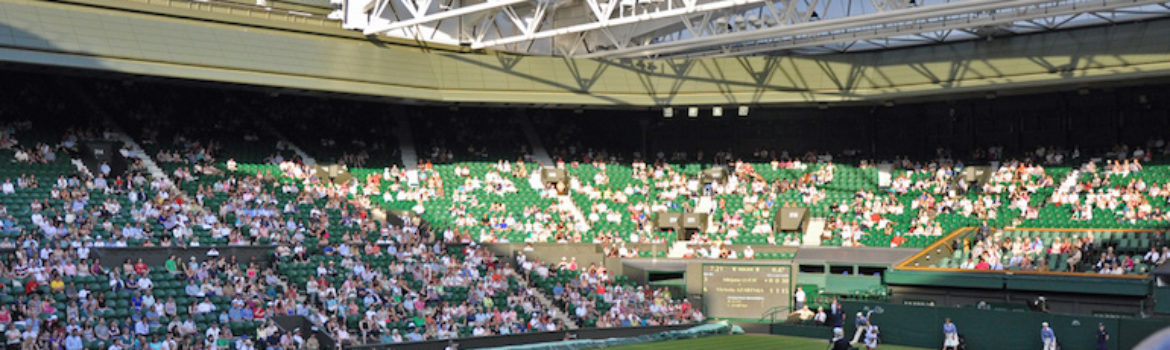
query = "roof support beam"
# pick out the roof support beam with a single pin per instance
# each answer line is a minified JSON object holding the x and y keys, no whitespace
{"x":428,"y":18}
{"x":607,"y":23}
{"x":907,"y":21}
{"x":1003,"y":18}
{"x":825,"y":25}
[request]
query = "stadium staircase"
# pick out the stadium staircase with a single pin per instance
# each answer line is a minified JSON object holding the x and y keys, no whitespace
{"x":813,"y":231}
{"x":152,"y":167}
{"x":1068,"y":184}
{"x":137,"y":152}
{"x":706,"y":204}
{"x":406,"y":144}
{"x":562,"y":315}
{"x":305,"y":157}
{"x":539,"y":153}
{"x":578,"y":217}
{"x":93,"y":107}
{"x":81,"y":166}
{"x":115,"y":132}
{"x":677,"y":250}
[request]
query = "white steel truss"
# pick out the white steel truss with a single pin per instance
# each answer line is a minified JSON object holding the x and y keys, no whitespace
{"x":970,"y":16}
{"x":696,"y":28}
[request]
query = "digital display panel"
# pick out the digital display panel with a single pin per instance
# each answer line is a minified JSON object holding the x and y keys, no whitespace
{"x":745,"y":291}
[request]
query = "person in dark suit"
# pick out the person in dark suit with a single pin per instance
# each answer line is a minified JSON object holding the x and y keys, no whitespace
{"x":836,"y":314}
{"x":1102,"y":337}
{"x":983,"y":232}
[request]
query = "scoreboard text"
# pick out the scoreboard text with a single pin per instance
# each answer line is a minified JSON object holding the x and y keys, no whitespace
{"x":744,"y":291}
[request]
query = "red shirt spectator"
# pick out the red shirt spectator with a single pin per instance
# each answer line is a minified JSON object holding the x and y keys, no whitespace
{"x":897,"y":241}
{"x":31,"y":286}
{"x":140,"y":268}
{"x":983,"y":265}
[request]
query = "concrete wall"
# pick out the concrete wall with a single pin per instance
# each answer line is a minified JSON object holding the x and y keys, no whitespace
{"x":586,"y":253}
{"x":986,"y":329}
{"x":528,"y":338}
{"x":156,"y":256}
{"x":1083,"y":304}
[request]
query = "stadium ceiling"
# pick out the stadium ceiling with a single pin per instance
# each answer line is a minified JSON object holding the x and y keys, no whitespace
{"x":711,"y":28}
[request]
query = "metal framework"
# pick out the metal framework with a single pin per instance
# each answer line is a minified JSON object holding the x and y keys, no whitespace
{"x":704,"y":28}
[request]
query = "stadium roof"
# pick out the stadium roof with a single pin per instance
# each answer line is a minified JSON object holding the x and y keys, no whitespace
{"x":705,"y":28}
{"x":298,"y":53}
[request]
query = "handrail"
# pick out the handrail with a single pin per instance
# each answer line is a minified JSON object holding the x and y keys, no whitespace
{"x":1025,"y":272}
{"x":933,"y":246}
{"x":1134,"y":230}
{"x":770,"y":314}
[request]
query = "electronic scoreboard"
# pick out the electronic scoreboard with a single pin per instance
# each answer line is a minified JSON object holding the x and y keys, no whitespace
{"x":745,"y":291}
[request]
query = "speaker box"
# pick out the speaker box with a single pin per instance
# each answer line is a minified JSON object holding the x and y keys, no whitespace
{"x":673,"y":221}
{"x":695,"y":221}
{"x":980,"y":173}
{"x":551,"y":175}
{"x":714,"y":175}
{"x":790,"y":219}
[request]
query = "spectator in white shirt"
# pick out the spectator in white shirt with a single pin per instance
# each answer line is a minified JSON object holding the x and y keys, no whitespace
{"x":205,"y":307}
{"x":1152,"y":256}
{"x":144,"y":283}
{"x":141,"y":328}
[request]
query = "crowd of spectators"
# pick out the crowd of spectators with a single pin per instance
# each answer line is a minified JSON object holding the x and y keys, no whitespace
{"x":593,"y":297}
{"x":236,"y":184}
{"x":442,"y":140}
{"x":1116,"y":191}
{"x":993,"y":250}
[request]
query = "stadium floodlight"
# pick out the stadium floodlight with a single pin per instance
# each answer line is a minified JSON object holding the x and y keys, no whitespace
{"x":693,"y":112}
{"x":717,"y":111}
{"x":743,"y":111}
{"x":668,"y":112}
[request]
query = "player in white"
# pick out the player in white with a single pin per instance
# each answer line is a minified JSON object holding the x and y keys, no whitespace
{"x":871,"y":336}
